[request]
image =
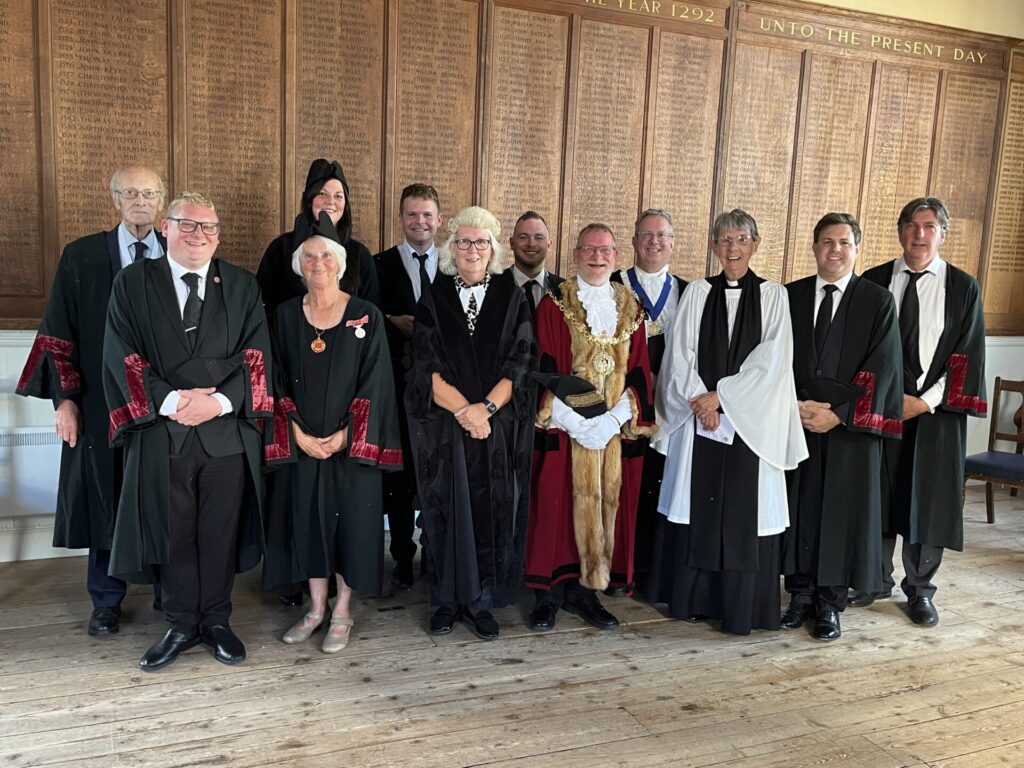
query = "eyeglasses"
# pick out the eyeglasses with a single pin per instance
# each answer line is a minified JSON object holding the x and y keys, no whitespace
{"x":645,"y":235}
{"x":601,"y":250}
{"x":188,"y":226}
{"x":323,"y":196}
{"x":464,"y":244}
{"x":728,"y":241}
{"x":131,"y":194}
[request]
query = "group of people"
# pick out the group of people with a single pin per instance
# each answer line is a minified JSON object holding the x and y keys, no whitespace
{"x":620,"y":431}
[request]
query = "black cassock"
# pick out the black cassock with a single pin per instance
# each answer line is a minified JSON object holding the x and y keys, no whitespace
{"x":333,"y":521}
{"x":835,"y":500}
{"x":146,"y":356}
{"x":474,"y":494}
{"x":923,"y":474}
{"x":66,"y":363}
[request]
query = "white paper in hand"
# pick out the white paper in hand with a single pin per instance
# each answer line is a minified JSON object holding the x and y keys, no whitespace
{"x":724,"y":434}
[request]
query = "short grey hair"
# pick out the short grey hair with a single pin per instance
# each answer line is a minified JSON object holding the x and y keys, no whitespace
{"x":340,"y":255}
{"x":652,"y":212}
{"x":115,"y":180}
{"x":478,"y":218}
{"x":737,"y":218}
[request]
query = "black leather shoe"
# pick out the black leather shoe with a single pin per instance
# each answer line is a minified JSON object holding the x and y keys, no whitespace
{"x":444,"y":618}
{"x":864,"y":599}
{"x":591,"y":611}
{"x":922,"y":611}
{"x":482,"y":623}
{"x":166,"y":649}
{"x":826,"y":626}
{"x":227,"y":648}
{"x":542,"y":617}
{"x":796,"y":615}
{"x":104,"y":622}
{"x":696,"y":618}
{"x":401,"y":576}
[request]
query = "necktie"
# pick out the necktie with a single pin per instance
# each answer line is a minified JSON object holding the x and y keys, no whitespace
{"x":910,"y":331}
{"x":193,"y":306}
{"x":824,"y":319}
{"x":528,"y":286}
{"x":140,"y":250}
{"x":424,"y":277}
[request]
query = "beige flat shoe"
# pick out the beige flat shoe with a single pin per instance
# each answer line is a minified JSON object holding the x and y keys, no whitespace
{"x":305,"y":627}
{"x":334,"y":643}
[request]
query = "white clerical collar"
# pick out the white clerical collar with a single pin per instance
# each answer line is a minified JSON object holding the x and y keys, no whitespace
{"x":521,"y":278}
{"x":841,"y":283}
{"x":732,"y":283}
{"x":177,"y":270}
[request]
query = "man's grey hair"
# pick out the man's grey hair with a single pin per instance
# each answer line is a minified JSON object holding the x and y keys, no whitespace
{"x":652,"y":212}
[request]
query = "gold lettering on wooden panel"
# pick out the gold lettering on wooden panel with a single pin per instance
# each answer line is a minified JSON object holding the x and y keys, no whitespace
{"x":233,"y":118}
{"x":527,"y":88}
{"x":831,"y":151}
{"x":963,"y":165}
{"x":766,"y":89}
{"x":609,"y":132}
{"x":339,"y":102}
{"x":685,"y":132}
{"x":21,"y":256}
{"x":109,"y":102}
{"x":436,"y":109}
{"x":900,"y":153}
{"x":1004,"y":284}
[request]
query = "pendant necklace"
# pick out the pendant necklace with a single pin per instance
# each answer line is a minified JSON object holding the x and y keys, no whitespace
{"x":318,"y":345}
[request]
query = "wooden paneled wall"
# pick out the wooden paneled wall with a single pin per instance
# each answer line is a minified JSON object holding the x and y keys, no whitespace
{"x":581,"y":109}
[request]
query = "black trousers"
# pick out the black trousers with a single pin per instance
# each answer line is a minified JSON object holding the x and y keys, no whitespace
{"x":804,"y":591}
{"x":106,"y":591}
{"x":920,"y":564}
{"x":206,"y":495}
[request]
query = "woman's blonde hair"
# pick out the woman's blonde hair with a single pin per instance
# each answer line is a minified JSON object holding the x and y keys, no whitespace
{"x":478,"y":218}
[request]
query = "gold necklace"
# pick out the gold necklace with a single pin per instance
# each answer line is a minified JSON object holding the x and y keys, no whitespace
{"x":604,"y":363}
{"x":318,"y":345}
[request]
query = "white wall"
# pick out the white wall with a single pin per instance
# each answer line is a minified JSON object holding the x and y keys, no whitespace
{"x":28,"y":476}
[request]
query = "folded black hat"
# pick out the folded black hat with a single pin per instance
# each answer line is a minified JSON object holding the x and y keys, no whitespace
{"x":324,"y":227}
{"x":320,"y":170}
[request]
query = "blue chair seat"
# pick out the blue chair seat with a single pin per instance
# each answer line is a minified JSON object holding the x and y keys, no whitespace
{"x":996,"y":464}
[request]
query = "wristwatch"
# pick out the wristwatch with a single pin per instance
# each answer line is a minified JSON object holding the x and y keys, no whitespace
{"x":491,"y":407}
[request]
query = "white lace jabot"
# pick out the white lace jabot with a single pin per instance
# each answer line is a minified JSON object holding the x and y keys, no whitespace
{"x":599,"y":302}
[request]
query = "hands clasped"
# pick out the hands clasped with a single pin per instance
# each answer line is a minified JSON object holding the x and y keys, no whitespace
{"x":196,"y":406}
{"x":705,"y":410}
{"x":817,"y":417}
{"x":475,"y":419}
{"x":320,"y":447}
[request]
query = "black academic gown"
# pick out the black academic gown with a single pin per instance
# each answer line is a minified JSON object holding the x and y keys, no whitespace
{"x":278,"y":282}
{"x":66,"y":362}
{"x":835,"y":499}
{"x":147,"y":355}
{"x":334,"y":521}
{"x":923,"y":474}
{"x":474,"y":493}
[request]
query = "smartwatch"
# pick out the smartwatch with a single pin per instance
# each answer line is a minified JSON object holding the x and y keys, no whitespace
{"x":491,"y":407}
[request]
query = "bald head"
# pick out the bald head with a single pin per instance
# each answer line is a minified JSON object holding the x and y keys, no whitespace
{"x":138,"y":194}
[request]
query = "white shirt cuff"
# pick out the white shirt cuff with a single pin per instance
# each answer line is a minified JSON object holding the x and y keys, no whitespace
{"x":170,"y":404}
{"x":934,"y":394}
{"x":225,"y":404}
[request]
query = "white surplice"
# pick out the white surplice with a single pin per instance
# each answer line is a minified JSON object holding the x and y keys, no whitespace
{"x":760,"y":401}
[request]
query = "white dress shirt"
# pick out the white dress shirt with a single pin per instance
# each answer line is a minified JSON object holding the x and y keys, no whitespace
{"x":931,"y":296}
{"x":170,"y":403}
{"x":412,"y":266}
{"x":539,"y":289}
{"x":126,"y":243}
{"x":819,"y":294}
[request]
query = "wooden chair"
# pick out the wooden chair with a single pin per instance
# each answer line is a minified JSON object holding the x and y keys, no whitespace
{"x":992,"y":466}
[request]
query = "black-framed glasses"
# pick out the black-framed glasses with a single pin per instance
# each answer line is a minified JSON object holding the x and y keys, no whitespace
{"x":188,"y":226}
{"x":464,"y":244}
{"x":131,"y":193}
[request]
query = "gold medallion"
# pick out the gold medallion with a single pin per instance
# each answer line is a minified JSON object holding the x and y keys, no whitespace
{"x":654,"y":329}
{"x":318,"y":345}
{"x":604,"y":363}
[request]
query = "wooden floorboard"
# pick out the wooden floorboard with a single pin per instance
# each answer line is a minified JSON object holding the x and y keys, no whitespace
{"x":655,"y":692}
